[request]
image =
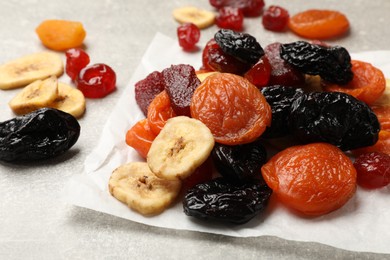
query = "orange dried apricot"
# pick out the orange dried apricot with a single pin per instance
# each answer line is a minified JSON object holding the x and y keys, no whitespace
{"x":382,"y":112}
{"x":159,"y":111}
{"x":313,"y":179}
{"x":232,"y":108}
{"x":382,"y":145}
{"x":61,"y":35}
{"x":367,"y":85}
{"x":319,"y":24}
{"x":140,"y":137}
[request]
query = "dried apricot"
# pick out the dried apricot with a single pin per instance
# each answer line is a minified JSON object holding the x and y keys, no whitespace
{"x":140,"y":137}
{"x":61,"y":35}
{"x":159,"y":111}
{"x":367,"y":85}
{"x":313,"y":179}
{"x":232,"y":108}
{"x":319,"y":24}
{"x":382,"y":112}
{"x":382,"y":145}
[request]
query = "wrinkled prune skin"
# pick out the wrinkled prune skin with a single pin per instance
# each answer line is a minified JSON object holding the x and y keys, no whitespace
{"x":242,"y":46}
{"x":333,"y":64}
{"x":239,"y":163}
{"x":42,"y":134}
{"x":222,"y":201}
{"x":280,"y":98}
{"x":335,"y":118}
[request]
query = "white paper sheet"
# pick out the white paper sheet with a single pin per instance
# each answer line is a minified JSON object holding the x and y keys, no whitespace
{"x":361,"y":225}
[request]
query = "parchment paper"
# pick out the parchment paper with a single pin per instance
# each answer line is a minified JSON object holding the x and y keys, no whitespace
{"x":363,"y":224}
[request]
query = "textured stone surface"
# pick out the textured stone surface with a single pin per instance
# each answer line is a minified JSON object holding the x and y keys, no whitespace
{"x":36,"y":224}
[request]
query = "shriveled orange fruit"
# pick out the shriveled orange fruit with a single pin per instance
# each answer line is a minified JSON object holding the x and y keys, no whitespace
{"x":368,"y":83}
{"x":383,"y":114}
{"x":159,"y":111}
{"x":61,"y":35}
{"x":232,"y":108}
{"x":140,"y":137}
{"x":319,"y":24}
{"x":313,"y":179}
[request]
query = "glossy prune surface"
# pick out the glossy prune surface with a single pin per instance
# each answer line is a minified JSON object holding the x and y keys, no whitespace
{"x":220,"y":200}
{"x":41,"y":134}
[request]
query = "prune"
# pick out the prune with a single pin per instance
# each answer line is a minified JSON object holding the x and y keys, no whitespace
{"x":333,"y":117}
{"x":249,"y":7}
{"x":282,"y":73}
{"x":41,"y":134}
{"x":147,"y":89}
{"x":220,"y":61}
{"x":239,"y":163}
{"x":280,"y":98}
{"x":180,"y":83}
{"x":333,"y":64}
{"x":222,"y":201}
{"x":242,"y":46}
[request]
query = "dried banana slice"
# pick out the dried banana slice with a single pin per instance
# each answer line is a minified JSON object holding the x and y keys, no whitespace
{"x":190,"y":14}
{"x":135,"y":185}
{"x":69,"y":100}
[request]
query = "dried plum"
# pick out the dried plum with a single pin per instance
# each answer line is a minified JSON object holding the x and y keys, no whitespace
{"x":280,"y":98}
{"x":220,"y":200}
{"x":180,"y":84}
{"x":335,"y":118}
{"x":333,"y":64}
{"x":239,"y":163}
{"x":41,"y":134}
{"x":242,"y":46}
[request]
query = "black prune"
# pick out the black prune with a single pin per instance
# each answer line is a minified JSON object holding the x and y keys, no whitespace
{"x":333,"y":64}
{"x":335,"y":118}
{"x":223,"y":201}
{"x":41,"y":134}
{"x":280,"y":98}
{"x":239,"y":163}
{"x":242,"y":46}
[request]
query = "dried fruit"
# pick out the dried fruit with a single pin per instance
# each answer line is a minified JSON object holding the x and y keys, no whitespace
{"x":282,"y":73}
{"x":280,"y":98}
{"x":190,"y":14}
{"x":260,"y":73}
{"x":42,"y":134}
{"x":230,"y":18}
{"x":319,"y":24}
{"x":61,"y":35}
{"x":333,"y":64}
{"x":333,"y":117}
{"x":96,"y":81}
{"x":382,"y":145}
{"x":368,"y":83}
{"x":159,"y":111}
{"x":188,"y":35}
{"x":180,"y":83}
{"x":373,"y":170}
{"x":147,"y":89}
{"x":223,"y":201}
{"x":140,"y":137}
{"x":239,"y":163}
{"x":382,"y":112}
{"x":275,"y":18}
{"x":202,"y":174}
{"x":76,"y":59}
{"x":313,"y":179}
{"x":242,"y":46}
{"x":250,"y":8}
{"x":233,"y":108}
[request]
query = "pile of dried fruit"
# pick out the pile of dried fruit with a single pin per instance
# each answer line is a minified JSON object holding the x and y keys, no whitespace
{"x":224,"y":117}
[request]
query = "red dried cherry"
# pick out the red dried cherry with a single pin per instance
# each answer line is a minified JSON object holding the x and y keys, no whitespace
{"x":249,"y":7}
{"x":373,"y":169}
{"x":260,"y":73}
{"x":96,"y":81}
{"x":188,"y":35}
{"x":230,"y":18}
{"x":76,"y":59}
{"x":275,"y":18}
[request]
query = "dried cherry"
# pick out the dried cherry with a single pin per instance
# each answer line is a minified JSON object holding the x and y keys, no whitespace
{"x":147,"y":89}
{"x":76,"y":59}
{"x":188,"y":35}
{"x":220,"y":61}
{"x":223,"y":201}
{"x":249,"y":7}
{"x":275,"y":18}
{"x":96,"y":81}
{"x":260,"y":73}
{"x":373,"y":170}
{"x":333,"y":117}
{"x":230,"y":18}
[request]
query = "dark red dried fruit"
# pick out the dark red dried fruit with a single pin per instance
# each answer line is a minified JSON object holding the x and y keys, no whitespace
{"x":251,"y":8}
{"x":220,"y":61}
{"x":230,"y":18}
{"x":282,"y":73}
{"x":188,"y":35}
{"x":76,"y":60}
{"x":260,"y":73}
{"x":205,"y":54}
{"x":96,"y":81}
{"x":275,"y":18}
{"x":147,"y":89}
{"x":180,"y":84}
{"x":373,"y":170}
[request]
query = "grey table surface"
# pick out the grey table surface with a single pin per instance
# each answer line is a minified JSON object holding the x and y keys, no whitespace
{"x":36,"y":224}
